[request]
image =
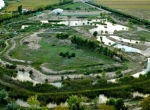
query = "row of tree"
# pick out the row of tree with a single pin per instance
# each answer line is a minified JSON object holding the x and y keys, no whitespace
{"x":95,"y":46}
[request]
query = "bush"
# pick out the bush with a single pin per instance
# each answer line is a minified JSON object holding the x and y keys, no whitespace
{"x":73,"y":54}
{"x":62,"y":36}
{"x":67,"y":54}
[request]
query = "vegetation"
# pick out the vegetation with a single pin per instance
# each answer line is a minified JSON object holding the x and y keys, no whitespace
{"x":131,"y":7}
{"x":135,"y":20}
{"x":145,"y":103}
{"x":66,"y":51}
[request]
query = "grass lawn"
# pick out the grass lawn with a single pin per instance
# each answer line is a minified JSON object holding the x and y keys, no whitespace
{"x":140,"y":8}
{"x":29,"y":4}
{"x":49,"y":54}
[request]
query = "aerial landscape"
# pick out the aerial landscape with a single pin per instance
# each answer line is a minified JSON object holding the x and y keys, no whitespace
{"x":74,"y":54}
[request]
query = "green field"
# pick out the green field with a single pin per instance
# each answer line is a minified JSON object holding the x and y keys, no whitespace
{"x":29,"y":4}
{"x":49,"y":54}
{"x":140,"y":8}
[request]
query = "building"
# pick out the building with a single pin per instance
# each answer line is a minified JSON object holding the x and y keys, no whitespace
{"x":57,"y":11}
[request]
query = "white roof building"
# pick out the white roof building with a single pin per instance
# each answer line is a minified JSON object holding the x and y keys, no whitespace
{"x":57,"y":11}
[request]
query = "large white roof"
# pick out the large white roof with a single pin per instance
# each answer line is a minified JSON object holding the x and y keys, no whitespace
{"x":58,"y":10}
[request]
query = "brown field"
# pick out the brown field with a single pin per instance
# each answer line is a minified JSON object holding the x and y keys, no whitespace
{"x":29,"y":4}
{"x":140,"y":8}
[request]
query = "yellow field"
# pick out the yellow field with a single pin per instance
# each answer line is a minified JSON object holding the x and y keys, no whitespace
{"x":29,"y":4}
{"x":140,"y":8}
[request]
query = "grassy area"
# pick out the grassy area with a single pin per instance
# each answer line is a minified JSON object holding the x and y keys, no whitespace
{"x":136,"y":35}
{"x":52,"y":46}
{"x":78,"y":6}
{"x":29,"y":4}
{"x":4,"y":16}
{"x":140,"y":8}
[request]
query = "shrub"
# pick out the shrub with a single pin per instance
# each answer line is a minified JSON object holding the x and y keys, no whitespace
{"x":73,"y":54}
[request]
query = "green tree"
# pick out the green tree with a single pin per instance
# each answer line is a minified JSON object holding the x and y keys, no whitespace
{"x":118,"y":72}
{"x":95,"y":100}
{"x":3,"y":96}
{"x":20,"y":9}
{"x":30,"y":72}
{"x":33,"y":102}
{"x":95,"y":33}
{"x":101,"y":38}
{"x":119,"y":104}
{"x":74,"y":102}
{"x":103,"y":74}
{"x":12,"y":106}
{"x":111,"y":101}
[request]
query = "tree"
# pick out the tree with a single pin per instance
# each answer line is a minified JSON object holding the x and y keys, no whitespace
{"x":12,"y":106}
{"x":101,"y":31}
{"x":95,"y":100}
{"x":103,"y":74}
{"x":74,"y":102}
{"x":3,"y":96}
{"x":118,"y":72}
{"x":119,"y":104}
{"x":20,"y":9}
{"x":30,"y":72}
{"x":101,"y":38}
{"x":62,"y":78}
{"x":46,"y":80}
{"x":95,"y":33}
{"x":145,"y":104}
{"x":33,"y":102}
{"x":106,"y":107}
{"x":111,"y":101}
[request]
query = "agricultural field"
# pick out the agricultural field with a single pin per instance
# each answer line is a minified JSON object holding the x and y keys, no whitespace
{"x":29,"y":4}
{"x":139,"y":8}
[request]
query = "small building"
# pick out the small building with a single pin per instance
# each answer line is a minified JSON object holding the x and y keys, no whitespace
{"x":25,"y":10}
{"x":57,"y":11}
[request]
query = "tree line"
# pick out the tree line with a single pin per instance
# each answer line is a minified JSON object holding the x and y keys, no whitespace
{"x":95,"y":46}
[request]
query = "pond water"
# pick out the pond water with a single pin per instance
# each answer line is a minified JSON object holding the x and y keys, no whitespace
{"x":25,"y":76}
{"x":2,"y":4}
{"x":116,"y":45}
